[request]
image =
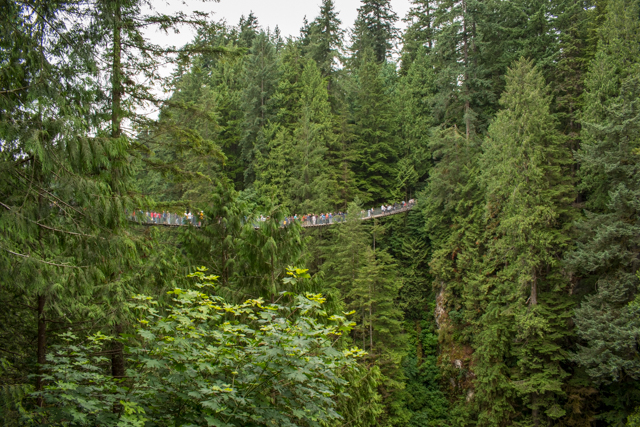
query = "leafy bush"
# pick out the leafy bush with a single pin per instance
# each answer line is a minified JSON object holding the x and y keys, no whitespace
{"x":203,"y":362}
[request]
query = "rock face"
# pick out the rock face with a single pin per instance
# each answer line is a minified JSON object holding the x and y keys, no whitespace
{"x":455,"y":359}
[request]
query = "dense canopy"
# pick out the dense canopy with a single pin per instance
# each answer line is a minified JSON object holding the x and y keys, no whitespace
{"x":503,"y":290}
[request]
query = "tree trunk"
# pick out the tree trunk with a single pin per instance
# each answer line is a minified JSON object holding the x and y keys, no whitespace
{"x":534,"y":290}
{"x":116,"y":76}
{"x":419,"y":342}
{"x":117,"y":355}
{"x":42,"y":345}
{"x":465,"y":39}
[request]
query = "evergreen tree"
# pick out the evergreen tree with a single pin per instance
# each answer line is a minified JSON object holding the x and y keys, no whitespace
{"x":260,"y":81}
{"x":67,"y":162}
{"x":310,"y":170}
{"x":606,"y":259}
{"x":375,"y":147}
{"x":528,"y":207}
{"x":367,"y":281}
{"x":415,"y":99}
{"x":248,"y":30}
{"x":420,"y":32}
{"x":325,"y":38}
{"x":454,"y":222}
{"x":576,"y":50}
{"x":375,"y":30}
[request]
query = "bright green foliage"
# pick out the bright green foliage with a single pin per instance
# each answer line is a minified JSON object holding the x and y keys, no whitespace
{"x":206,"y":362}
{"x":528,"y":200}
{"x":606,"y":257}
{"x":368,"y":282}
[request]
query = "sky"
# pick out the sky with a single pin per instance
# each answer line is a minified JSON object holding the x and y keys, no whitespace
{"x":288,"y":15}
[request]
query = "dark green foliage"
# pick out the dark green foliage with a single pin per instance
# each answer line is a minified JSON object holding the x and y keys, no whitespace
{"x":374,"y":30}
{"x":325,"y":38}
{"x":606,"y":259}
{"x":260,"y":81}
{"x":528,"y":209}
{"x":420,"y":33}
{"x":507,"y":296}
{"x":374,"y":121}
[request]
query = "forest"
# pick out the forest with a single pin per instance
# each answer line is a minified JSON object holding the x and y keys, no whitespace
{"x":507,"y":295}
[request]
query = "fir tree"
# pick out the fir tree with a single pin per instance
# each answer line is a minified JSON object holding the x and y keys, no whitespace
{"x":325,"y":37}
{"x":528,"y":206}
{"x":415,"y":99}
{"x":310,"y":169}
{"x":606,"y":259}
{"x":375,"y":147}
{"x":375,"y":30}
{"x":260,"y":80}
{"x":420,"y":32}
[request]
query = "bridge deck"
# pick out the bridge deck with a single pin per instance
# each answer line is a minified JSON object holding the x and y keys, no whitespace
{"x":173,"y":220}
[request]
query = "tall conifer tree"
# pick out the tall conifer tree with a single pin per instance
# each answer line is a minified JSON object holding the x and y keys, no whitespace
{"x":606,"y":258}
{"x":260,"y":80}
{"x":311,"y":176}
{"x":528,"y":208}
{"x":375,"y":147}
{"x":374,"y":29}
{"x":326,"y":37}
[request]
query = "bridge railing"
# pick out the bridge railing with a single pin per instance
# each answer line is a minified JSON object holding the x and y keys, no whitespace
{"x":166,"y":218}
{"x":336,"y":218}
{"x":311,"y":220}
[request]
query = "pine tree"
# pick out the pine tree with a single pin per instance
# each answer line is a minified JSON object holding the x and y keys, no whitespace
{"x":375,"y":147}
{"x":529,"y":209}
{"x":606,"y":259}
{"x":260,"y":80}
{"x":375,"y":30}
{"x":310,"y":172}
{"x":415,"y":99}
{"x":325,"y":38}
{"x":420,"y":32}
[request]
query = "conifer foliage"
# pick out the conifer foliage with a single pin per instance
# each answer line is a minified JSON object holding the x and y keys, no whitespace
{"x":507,"y":296}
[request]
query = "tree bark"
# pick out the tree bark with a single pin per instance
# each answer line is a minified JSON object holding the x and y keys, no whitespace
{"x":116,"y":73}
{"x":419,"y":342}
{"x":42,"y":345}
{"x":117,"y":355}
{"x":534,"y":290}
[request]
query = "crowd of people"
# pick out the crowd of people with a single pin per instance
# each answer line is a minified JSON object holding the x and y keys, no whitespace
{"x":168,"y":218}
{"x":197,"y":219}
{"x":334,"y":218}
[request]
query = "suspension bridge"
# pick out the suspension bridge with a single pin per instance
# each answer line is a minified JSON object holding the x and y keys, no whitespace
{"x":168,"y":219}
